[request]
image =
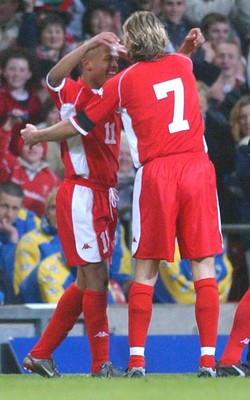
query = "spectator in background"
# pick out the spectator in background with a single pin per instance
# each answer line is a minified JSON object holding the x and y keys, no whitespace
{"x":34,"y":246}
{"x":76,"y":12}
{"x":33,"y":17}
{"x":216,"y":29}
{"x":239,"y":181}
{"x":15,"y":221}
{"x":29,"y":169}
{"x":100,"y":17}
{"x":172,"y":15}
{"x":18,"y":91}
{"x":10,"y":21}
{"x":221,"y":150}
{"x":238,"y":11}
{"x":51,"y":43}
{"x":227,"y":58}
{"x":50,"y":116}
{"x":44,"y":66}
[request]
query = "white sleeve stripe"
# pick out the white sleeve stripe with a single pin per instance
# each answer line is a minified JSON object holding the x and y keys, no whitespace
{"x":55,"y":89}
{"x":78,"y":127}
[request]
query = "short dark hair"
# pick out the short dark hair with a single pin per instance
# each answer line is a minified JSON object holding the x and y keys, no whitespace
{"x":95,"y":5}
{"x":23,"y":53}
{"x":11,"y":189}
{"x":210,"y":19}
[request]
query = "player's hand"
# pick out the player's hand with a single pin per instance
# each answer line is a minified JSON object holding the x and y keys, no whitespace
{"x":29,"y":134}
{"x":108,"y":38}
{"x":192,"y":41}
{"x":123,"y":52}
{"x":7,"y":227}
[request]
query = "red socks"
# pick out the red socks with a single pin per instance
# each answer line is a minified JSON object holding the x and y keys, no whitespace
{"x":240,"y":332}
{"x":140,"y":310}
{"x":207,"y":315}
{"x":96,"y":321}
{"x":64,"y":318}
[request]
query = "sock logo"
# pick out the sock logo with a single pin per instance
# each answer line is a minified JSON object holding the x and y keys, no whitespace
{"x":101,"y":334}
{"x":245,"y":341}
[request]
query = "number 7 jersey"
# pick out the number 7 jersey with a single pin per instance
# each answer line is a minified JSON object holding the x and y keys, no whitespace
{"x":159,"y":106}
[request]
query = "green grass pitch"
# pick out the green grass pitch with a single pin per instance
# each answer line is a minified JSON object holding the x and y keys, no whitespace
{"x":153,"y":387}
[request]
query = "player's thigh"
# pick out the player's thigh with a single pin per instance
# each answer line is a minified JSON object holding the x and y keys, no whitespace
{"x":198,"y":228}
{"x":85,"y":226}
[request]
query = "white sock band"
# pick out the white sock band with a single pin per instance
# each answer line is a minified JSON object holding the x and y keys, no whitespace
{"x":207,"y":351}
{"x":136,"y":351}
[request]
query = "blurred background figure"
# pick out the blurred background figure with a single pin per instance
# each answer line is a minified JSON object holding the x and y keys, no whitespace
{"x":29,"y":170}
{"x":237,"y":11}
{"x":221,"y":150}
{"x":100,"y":17}
{"x":216,"y":29}
{"x":238,"y":182}
{"x":175,"y":285}
{"x":50,"y":116}
{"x":10,"y":21}
{"x":232,"y":75}
{"x":172,"y":15}
{"x":18,"y":91}
{"x":126,"y":176}
{"x":32,"y":249}
{"x":15,"y":221}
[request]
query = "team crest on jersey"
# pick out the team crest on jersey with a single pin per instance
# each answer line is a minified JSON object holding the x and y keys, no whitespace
{"x":86,"y":246}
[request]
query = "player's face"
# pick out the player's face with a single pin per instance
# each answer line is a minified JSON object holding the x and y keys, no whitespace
{"x":9,"y":207}
{"x":104,"y":65}
{"x":244,"y":120}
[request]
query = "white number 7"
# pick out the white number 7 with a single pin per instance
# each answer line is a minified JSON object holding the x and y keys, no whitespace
{"x":161,"y":91}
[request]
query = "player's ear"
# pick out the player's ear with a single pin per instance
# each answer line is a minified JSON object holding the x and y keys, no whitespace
{"x":86,"y":64}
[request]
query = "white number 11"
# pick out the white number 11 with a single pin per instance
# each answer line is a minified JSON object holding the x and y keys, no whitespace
{"x":161,"y":91}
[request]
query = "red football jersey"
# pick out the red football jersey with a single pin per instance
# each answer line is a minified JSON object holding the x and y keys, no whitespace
{"x":159,"y":105}
{"x":93,"y":157}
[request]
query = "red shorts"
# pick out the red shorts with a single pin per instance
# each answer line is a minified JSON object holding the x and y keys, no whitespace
{"x":174,"y":197}
{"x":86,"y":223}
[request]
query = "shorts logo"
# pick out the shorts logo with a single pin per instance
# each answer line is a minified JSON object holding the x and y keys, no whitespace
{"x":134,"y":240}
{"x":86,"y":246}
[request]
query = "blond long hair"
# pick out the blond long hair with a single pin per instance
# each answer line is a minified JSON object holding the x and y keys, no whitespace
{"x":145,"y":36}
{"x":235,"y":116}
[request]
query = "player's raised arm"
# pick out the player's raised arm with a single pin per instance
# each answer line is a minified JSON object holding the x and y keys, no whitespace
{"x":64,"y":67}
{"x":192,"y":41}
{"x":61,"y":130}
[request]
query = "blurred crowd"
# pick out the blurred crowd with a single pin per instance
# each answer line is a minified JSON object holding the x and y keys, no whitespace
{"x":34,"y":36}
